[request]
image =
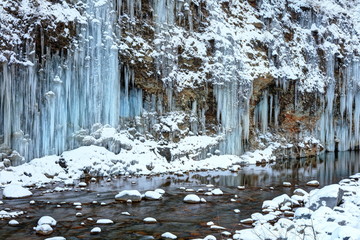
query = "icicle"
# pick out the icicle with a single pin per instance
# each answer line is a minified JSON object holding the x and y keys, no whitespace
{"x":40,"y":110}
{"x":233,"y":116}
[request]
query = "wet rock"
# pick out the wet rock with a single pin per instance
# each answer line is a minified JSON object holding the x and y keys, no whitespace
{"x":44,"y":229}
{"x":286,"y":184}
{"x":247,"y":221}
{"x":82,"y":184}
{"x":313,"y":183}
{"x":288,"y":214}
{"x":133,"y":195}
{"x":226,"y":233}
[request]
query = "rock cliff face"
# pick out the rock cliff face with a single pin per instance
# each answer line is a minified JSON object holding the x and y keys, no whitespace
{"x":248,"y":73}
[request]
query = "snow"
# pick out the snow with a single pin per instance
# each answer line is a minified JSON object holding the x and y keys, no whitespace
{"x":47,"y":220}
{"x":95,"y":230}
{"x":16,"y":191}
{"x":30,"y":12}
{"x":313,"y":183}
{"x":192,"y":198}
{"x":150,"y":220}
{"x":336,"y":221}
{"x":102,"y":162}
{"x":132,"y":195}
{"x":44,"y":229}
{"x":13,"y":223}
{"x":217,"y":192}
{"x":152,"y":195}
{"x":104,"y":221}
{"x":327,"y":196}
{"x":168,"y":235}
{"x":5,"y":215}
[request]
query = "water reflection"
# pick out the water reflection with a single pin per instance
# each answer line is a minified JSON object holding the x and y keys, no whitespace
{"x":327,"y":168}
{"x":186,"y":221}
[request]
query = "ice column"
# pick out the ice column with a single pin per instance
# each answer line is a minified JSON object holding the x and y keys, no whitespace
{"x":44,"y":103}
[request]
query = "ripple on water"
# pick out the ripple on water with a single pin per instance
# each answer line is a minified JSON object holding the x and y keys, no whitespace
{"x":183,"y":220}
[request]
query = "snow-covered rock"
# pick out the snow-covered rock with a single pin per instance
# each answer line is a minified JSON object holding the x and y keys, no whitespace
{"x":16,"y":191}
{"x":95,"y":230}
{"x":44,"y":229}
{"x":47,"y":220}
{"x":152,"y":195}
{"x":168,"y":235}
{"x":13,"y":222}
{"x":82,"y":184}
{"x":150,"y":220}
{"x":300,"y":192}
{"x":160,"y":191}
{"x":104,"y":221}
{"x":55,"y":238}
{"x":286,"y":184}
{"x":192,"y":198}
{"x":313,"y":183}
{"x":329,"y":196}
{"x":133,"y":195}
{"x":217,"y":192}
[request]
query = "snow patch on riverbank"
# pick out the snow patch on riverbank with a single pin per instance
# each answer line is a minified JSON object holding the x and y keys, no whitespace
{"x":135,"y":157}
{"x":334,"y":216}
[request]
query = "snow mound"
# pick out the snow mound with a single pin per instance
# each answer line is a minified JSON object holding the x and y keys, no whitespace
{"x":16,"y":191}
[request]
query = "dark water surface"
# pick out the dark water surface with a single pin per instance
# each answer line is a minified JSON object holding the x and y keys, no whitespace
{"x":187,"y":221}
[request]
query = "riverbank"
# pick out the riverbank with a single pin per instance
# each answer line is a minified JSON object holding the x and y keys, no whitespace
{"x":263,"y":182}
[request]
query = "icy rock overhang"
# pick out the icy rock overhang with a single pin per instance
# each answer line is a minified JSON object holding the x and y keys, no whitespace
{"x":235,"y":69}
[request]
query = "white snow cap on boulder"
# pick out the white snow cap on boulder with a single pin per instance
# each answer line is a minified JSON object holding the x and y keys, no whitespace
{"x":168,"y":235}
{"x":133,"y":195}
{"x":47,"y":220}
{"x":44,"y":229}
{"x":16,"y":191}
{"x":192,"y":198}
{"x":152,"y":195}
